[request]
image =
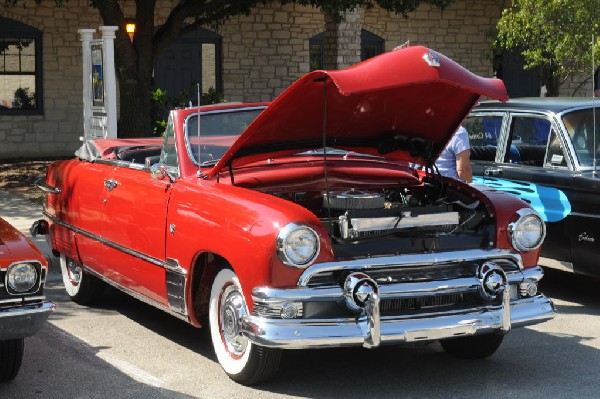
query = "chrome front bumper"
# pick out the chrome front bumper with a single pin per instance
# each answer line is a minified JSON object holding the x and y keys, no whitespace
{"x":369,"y":329}
{"x":19,"y":321}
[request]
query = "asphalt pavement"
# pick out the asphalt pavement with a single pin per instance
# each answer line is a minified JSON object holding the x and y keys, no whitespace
{"x":126,"y":349}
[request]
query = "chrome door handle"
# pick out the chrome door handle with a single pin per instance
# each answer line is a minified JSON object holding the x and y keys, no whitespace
{"x":492,"y":172}
{"x":110,"y":184}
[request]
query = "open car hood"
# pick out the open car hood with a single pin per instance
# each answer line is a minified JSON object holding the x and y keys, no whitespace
{"x":404,"y":105}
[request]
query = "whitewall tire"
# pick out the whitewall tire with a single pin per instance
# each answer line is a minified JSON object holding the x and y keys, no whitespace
{"x":243,"y":361}
{"x":81,"y":287}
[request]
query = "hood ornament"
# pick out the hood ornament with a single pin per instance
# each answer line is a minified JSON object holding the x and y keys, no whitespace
{"x":432,"y":59}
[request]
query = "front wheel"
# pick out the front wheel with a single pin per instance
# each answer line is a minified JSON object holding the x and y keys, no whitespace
{"x":82,"y":287}
{"x":243,"y":361}
{"x":11,"y":356}
{"x":473,"y":347}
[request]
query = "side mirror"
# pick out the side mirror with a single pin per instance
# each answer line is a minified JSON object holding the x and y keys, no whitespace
{"x":160,"y":171}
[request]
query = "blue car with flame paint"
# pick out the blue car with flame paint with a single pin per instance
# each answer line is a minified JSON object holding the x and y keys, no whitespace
{"x":546,"y":151}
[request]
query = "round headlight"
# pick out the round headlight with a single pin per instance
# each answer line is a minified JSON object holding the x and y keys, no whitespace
{"x":21,"y":277}
{"x":297,"y":245}
{"x":528,"y":232}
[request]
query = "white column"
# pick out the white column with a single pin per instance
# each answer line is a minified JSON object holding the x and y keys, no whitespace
{"x":110,"y":82}
{"x":87,"y":35}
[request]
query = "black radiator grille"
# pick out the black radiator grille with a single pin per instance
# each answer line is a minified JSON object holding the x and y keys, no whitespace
{"x":432,"y":302}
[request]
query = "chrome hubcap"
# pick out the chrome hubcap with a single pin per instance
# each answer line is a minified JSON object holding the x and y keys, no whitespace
{"x":74,"y":271}
{"x":231,"y":310}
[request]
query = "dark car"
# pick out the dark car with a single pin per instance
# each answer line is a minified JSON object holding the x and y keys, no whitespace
{"x":545,"y":150}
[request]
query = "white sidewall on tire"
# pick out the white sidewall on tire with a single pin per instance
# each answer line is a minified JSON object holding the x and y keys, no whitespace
{"x":232,"y":365}
{"x":72,"y":289}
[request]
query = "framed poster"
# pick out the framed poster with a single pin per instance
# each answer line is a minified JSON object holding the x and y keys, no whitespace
{"x":97,"y":76}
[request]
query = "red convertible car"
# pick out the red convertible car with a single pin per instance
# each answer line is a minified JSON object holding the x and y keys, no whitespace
{"x":302,"y":223}
{"x":23,"y":307}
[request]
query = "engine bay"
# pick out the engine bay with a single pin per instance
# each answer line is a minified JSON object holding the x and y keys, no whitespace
{"x":392,"y":220}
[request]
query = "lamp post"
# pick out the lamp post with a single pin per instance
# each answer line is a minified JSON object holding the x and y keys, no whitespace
{"x":130,"y":28}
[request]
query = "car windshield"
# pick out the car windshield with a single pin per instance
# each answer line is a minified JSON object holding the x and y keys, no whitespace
{"x":218,"y":131}
{"x":583,"y":127}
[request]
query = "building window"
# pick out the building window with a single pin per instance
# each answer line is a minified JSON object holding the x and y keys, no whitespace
{"x":370,"y":46}
{"x":20,"y":69}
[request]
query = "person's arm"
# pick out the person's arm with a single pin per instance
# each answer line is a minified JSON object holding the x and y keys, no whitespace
{"x":463,"y":166}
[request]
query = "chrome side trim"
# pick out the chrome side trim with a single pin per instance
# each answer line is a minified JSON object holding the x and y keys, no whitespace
{"x":176,"y":286}
{"x":173,"y":265}
{"x":176,"y":276}
{"x":585,"y":215}
{"x":45,"y":187}
{"x":557,"y":264}
{"x":136,"y":295}
{"x":128,"y":251}
{"x":410,"y":260}
{"x":10,"y":300}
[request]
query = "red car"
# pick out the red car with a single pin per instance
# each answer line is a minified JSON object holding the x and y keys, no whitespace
{"x":23,"y":306}
{"x":302,"y":223}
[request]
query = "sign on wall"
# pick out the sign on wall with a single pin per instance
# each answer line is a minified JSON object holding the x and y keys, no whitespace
{"x":99,"y":83}
{"x":97,"y":78}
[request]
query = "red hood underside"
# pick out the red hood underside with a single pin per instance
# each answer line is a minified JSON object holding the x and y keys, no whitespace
{"x":378,"y":107}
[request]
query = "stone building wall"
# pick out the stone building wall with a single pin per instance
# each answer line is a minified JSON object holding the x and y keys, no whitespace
{"x":57,"y":131}
{"x":263,"y":53}
{"x":268,"y":50}
{"x":461,"y":31}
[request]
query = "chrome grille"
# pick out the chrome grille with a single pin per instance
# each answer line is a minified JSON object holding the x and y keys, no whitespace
{"x":432,"y":302}
{"x":404,"y":274}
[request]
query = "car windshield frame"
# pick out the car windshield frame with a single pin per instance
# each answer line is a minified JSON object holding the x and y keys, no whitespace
{"x":577,"y":128}
{"x":208,"y":135}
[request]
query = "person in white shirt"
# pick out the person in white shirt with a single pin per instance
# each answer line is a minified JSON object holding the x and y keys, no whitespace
{"x":455,"y":159}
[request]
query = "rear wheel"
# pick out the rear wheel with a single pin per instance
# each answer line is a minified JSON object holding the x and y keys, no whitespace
{"x":11,"y":356}
{"x":473,"y":347}
{"x":82,"y":287}
{"x":243,"y":361}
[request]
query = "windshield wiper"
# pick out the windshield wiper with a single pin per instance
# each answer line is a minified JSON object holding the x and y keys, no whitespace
{"x":212,"y":162}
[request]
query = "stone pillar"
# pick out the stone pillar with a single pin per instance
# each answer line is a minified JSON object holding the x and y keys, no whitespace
{"x":87,"y":35}
{"x":342,"y":39}
{"x":110,"y":80}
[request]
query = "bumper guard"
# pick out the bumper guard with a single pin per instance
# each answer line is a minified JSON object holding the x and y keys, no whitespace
{"x":370,"y":329}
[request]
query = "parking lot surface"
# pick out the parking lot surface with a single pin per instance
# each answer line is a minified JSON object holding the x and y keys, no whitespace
{"x":123,"y":348}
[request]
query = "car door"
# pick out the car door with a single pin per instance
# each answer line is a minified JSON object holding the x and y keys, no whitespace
{"x":77,"y":209}
{"x":532,"y":162}
{"x":135,"y":219}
